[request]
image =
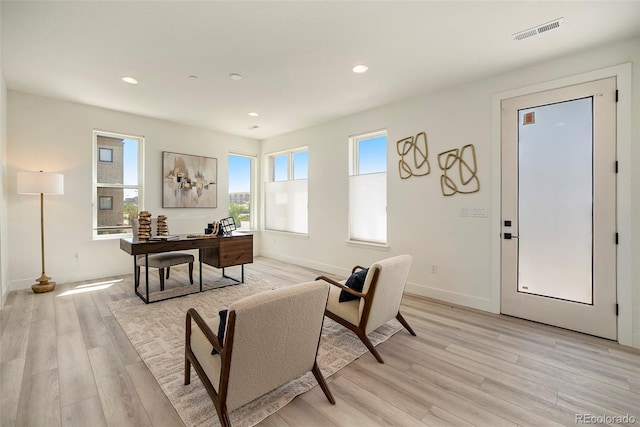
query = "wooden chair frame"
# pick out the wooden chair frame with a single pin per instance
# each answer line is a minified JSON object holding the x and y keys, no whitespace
{"x":360,"y":329}
{"x":220,"y":398}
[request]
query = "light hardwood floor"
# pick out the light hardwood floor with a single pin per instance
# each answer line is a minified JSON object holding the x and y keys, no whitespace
{"x":65,"y":361}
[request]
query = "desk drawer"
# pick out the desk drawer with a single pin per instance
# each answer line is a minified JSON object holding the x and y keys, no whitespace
{"x":231,"y":251}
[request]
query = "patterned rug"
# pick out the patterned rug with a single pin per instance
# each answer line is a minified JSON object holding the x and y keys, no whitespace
{"x":157,"y":333}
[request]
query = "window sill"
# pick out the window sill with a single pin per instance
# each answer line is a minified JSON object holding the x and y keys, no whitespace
{"x":288,"y":234}
{"x":369,"y":245}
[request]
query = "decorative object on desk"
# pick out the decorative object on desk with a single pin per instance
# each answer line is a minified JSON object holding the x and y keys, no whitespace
{"x":144,"y":225}
{"x":228,"y":225}
{"x":465,"y":160}
{"x":161,"y":347}
{"x":163,"y":228}
{"x":212,"y":228}
{"x":189,"y":181}
{"x":41,"y":183}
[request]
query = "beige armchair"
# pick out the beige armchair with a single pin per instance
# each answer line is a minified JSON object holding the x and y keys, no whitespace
{"x":378,"y":302}
{"x":270,"y":339}
{"x":161,"y":261}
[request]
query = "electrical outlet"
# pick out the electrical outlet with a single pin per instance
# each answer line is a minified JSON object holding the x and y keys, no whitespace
{"x":434,"y":268}
{"x":479,"y":212}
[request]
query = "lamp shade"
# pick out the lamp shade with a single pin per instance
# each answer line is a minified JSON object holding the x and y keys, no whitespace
{"x":40,"y":182}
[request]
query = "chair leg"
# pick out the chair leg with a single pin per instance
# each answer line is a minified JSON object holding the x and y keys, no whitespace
{"x":168,"y":269}
{"x":191,"y":272}
{"x":405,"y":324}
{"x":161,"y":273}
{"x":323,"y":384}
{"x":224,"y":417}
{"x":187,"y":370}
{"x":365,"y":340}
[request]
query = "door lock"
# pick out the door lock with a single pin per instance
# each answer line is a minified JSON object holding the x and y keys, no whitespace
{"x":509,"y":236}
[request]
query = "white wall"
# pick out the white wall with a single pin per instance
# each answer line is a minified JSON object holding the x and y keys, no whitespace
{"x":4,"y":230}
{"x":56,"y":136}
{"x":421,"y":221}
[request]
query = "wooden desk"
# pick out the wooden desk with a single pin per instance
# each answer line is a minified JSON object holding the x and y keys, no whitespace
{"x":219,"y":252}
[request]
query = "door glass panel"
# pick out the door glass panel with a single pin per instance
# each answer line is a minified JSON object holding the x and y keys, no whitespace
{"x":555,"y":200}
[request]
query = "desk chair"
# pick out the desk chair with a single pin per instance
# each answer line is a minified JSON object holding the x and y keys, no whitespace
{"x":161,"y":261}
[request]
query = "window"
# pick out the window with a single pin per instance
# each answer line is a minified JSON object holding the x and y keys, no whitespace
{"x":105,"y":155}
{"x":368,"y":188}
{"x":117,"y":183}
{"x":286,"y":195}
{"x":241,"y":190}
{"x":105,"y":203}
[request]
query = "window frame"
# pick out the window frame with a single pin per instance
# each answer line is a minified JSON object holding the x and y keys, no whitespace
{"x":354,"y":170}
{"x":95,"y":184}
{"x":252,"y":191}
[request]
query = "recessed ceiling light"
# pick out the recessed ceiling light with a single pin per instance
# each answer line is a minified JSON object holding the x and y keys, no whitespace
{"x":130,"y":80}
{"x":252,"y":114}
{"x":235,"y":76}
{"x":360,"y":69}
{"x":253,"y":127}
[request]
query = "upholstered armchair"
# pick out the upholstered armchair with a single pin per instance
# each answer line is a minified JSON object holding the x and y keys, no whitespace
{"x":377,"y":303}
{"x":161,"y":261}
{"x":270,"y":339}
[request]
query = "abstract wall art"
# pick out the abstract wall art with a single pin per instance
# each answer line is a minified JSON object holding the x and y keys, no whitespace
{"x":189,"y":181}
{"x":459,"y":169}
{"x":414,"y":156}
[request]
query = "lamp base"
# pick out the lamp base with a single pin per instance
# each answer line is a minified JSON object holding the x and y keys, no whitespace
{"x":40,"y":288}
{"x":43,"y":285}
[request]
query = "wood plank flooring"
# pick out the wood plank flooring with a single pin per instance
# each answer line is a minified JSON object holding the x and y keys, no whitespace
{"x":65,"y":361}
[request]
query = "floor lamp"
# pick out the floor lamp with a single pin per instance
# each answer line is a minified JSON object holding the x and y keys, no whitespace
{"x":41,"y":183}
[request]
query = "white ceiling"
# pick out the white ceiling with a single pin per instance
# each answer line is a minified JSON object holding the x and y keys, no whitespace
{"x":295,"y":56}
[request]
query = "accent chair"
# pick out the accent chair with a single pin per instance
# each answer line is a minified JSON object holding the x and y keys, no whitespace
{"x":378,"y":302}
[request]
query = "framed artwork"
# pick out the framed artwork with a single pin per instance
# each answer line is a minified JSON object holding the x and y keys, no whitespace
{"x":189,"y":181}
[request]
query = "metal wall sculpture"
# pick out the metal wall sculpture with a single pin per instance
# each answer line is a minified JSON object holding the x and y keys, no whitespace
{"x":463,"y":161}
{"x":418,"y":147}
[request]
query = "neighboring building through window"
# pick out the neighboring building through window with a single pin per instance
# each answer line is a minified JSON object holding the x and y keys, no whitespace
{"x":286,"y":191}
{"x":368,"y":188}
{"x":117,"y":183}
{"x":241,"y":190}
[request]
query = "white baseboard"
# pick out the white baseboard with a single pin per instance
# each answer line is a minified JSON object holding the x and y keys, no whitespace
{"x":483,"y":304}
{"x":308,"y":264}
{"x":16,"y":285}
{"x":636,"y":340}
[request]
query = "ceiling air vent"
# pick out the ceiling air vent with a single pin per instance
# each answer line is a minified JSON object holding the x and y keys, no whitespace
{"x":539,"y":29}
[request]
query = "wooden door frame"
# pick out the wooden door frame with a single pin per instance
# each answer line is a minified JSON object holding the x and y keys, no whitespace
{"x":623,"y":202}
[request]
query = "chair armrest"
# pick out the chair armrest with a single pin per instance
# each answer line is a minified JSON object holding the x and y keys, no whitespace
{"x":357,"y":267}
{"x":341,"y":286}
{"x":213,"y":339}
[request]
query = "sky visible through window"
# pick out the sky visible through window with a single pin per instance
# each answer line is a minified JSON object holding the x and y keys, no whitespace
{"x":130,"y":171}
{"x":372,"y":155}
{"x":239,"y":174}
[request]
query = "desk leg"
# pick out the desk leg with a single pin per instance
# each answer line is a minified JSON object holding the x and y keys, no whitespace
{"x":136,"y":281}
{"x":233,"y":278}
{"x":146,"y":275}
{"x":200,"y":262}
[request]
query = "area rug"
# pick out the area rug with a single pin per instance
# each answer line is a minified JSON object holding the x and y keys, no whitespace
{"x":157,"y":333}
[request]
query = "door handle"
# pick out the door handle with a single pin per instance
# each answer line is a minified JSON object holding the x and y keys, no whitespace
{"x":509,"y":236}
